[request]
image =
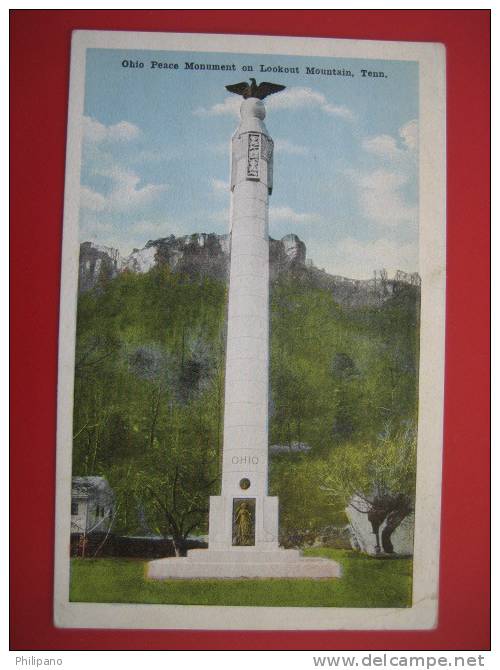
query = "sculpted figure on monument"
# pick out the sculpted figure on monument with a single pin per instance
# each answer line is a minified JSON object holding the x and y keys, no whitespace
{"x":253,"y":90}
{"x":244,"y":525}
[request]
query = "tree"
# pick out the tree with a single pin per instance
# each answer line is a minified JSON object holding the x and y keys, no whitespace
{"x":305,"y":510}
{"x":148,"y":397}
{"x":377,"y":479}
{"x":173,"y":475}
{"x":177,"y":474}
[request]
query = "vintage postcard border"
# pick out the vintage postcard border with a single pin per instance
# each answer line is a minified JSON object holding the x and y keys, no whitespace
{"x":423,"y":613}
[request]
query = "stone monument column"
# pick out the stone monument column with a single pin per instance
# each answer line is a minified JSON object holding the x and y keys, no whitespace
{"x":243,"y":519}
{"x":245,"y":451}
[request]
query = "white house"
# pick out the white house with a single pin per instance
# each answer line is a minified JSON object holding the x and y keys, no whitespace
{"x":92,"y":503}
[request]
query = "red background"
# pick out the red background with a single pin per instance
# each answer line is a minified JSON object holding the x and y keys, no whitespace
{"x":40,"y":48}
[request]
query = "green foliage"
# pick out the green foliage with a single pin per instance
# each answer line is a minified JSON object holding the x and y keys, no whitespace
{"x":379,"y":468}
{"x":366,"y":582}
{"x":148,"y":395}
{"x":304,"y":507}
{"x":149,"y":380}
{"x":339,"y":374}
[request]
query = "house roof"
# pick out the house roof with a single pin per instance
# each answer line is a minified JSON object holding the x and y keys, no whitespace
{"x":93,"y":485}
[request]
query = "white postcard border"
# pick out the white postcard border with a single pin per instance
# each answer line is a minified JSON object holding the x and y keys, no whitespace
{"x":432,"y":235}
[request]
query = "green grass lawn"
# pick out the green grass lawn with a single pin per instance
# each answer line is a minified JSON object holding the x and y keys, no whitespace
{"x":366,"y":582}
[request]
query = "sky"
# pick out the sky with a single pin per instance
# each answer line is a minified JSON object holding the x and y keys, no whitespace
{"x":155,"y":155}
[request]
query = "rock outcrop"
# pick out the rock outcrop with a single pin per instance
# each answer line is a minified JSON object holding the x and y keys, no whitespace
{"x":207,"y":255}
{"x":97,"y":263}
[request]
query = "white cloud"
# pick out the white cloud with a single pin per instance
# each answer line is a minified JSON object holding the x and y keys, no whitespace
{"x":288,"y":214}
{"x":286,"y":147}
{"x":124,"y":188}
{"x":123,"y":236}
{"x":231,"y":105}
{"x":96,"y":228}
{"x":384,"y":146}
{"x":220,"y":218}
{"x":381,"y":180}
{"x":299,"y":97}
{"x":92,"y":200}
{"x":409,"y":134}
{"x":96,"y":132}
{"x":123,"y":132}
{"x":381,"y":197}
{"x":381,"y":191}
{"x":295,"y":97}
{"x":93,"y":130}
{"x":359,"y":259}
{"x":391,"y":148}
{"x":126,"y":192}
{"x":144,"y":230}
{"x":219,"y":186}
{"x":338,"y":110}
{"x":151,"y":156}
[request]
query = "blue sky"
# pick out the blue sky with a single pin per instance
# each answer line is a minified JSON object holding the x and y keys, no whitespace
{"x":156,"y":155}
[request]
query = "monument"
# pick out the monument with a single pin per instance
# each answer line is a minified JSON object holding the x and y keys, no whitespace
{"x":243,"y":520}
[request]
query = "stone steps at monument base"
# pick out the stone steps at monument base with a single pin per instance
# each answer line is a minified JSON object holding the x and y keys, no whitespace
{"x":192,"y":568}
{"x":244,"y":555}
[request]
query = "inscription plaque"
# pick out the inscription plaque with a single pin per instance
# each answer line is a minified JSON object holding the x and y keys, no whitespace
{"x":253,"y":156}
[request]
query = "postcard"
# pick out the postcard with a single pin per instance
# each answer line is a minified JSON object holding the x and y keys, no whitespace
{"x":251,"y":352}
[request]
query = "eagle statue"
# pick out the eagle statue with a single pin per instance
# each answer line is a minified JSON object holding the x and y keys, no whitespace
{"x":253,"y":90}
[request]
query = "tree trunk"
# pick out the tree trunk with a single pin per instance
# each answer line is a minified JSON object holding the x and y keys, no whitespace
{"x":155,"y":403}
{"x":376,"y":517}
{"x":179,"y":546}
{"x":376,"y":529}
{"x":394,"y":519}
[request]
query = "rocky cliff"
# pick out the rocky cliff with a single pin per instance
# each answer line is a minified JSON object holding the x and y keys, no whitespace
{"x":207,"y":255}
{"x":204,"y":254}
{"x":97,"y":263}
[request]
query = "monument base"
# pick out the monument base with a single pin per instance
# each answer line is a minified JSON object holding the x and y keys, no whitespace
{"x":242,"y":562}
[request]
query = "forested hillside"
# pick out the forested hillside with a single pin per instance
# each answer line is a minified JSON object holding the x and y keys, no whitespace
{"x":149,"y":391}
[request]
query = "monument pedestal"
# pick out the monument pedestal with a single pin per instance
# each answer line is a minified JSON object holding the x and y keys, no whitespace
{"x":243,"y":562}
{"x":224,"y":560}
